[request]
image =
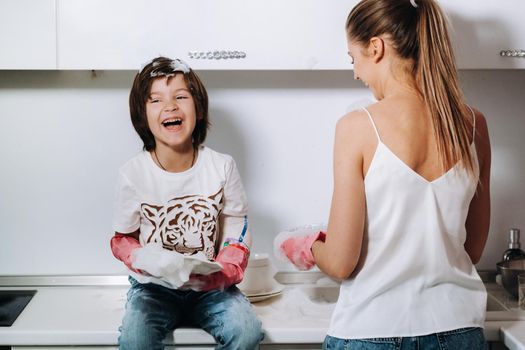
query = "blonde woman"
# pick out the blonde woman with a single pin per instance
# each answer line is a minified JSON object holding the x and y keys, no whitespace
{"x":411,"y":205}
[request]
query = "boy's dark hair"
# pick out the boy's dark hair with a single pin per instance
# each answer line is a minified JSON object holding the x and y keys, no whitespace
{"x":162,"y":67}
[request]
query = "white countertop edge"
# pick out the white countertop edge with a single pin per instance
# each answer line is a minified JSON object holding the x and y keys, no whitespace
{"x":58,"y":338}
{"x":183,"y":336}
{"x":291,"y":336}
{"x":512,"y":334}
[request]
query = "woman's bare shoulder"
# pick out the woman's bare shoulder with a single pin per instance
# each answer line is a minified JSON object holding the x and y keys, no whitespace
{"x":480,"y":124}
{"x":481,"y":121}
{"x":355,"y":137}
{"x":481,"y":136}
{"x":356,"y":123}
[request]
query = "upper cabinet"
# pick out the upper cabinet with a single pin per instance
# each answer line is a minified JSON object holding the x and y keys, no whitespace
{"x":229,"y":34}
{"x":270,"y":34}
{"x":488,"y":34}
{"x":208,"y":34}
{"x":27,"y":34}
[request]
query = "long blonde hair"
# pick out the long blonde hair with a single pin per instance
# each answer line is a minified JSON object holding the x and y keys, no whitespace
{"x":420,"y":34}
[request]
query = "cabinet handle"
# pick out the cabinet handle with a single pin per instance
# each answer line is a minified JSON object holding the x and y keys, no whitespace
{"x":512,"y":53}
{"x":216,"y":55}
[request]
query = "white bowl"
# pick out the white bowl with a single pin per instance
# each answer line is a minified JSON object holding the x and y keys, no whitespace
{"x":258,"y":276}
{"x":258,"y":259}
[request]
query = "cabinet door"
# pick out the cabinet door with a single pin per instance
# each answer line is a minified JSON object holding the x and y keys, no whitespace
{"x":272,"y":34}
{"x":119,"y":34}
{"x":27,"y":34}
{"x":482,"y":29}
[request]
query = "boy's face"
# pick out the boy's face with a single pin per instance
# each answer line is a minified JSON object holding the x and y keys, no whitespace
{"x":170,"y":111}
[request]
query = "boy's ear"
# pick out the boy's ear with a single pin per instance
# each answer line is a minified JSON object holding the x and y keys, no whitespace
{"x":376,"y":48}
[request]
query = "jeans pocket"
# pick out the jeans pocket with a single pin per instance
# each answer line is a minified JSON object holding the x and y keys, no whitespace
{"x":333,"y":343}
{"x":375,"y":344}
{"x":471,"y":338}
{"x":134,"y":287}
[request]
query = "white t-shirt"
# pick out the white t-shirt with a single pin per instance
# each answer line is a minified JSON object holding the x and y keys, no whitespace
{"x":179,"y":211}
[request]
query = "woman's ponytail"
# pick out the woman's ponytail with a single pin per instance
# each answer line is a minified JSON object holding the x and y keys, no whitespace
{"x":418,"y":32}
{"x":437,"y":79}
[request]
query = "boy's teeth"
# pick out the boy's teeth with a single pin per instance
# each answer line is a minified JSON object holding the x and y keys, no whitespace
{"x":176,"y":121}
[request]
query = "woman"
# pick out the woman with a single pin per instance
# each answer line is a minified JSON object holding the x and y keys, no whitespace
{"x":411,"y":205}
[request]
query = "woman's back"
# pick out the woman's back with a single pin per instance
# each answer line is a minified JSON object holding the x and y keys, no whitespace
{"x":413,"y":245}
{"x":405,"y":128}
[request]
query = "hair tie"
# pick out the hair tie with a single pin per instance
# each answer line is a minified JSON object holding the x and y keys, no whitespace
{"x":413,"y":3}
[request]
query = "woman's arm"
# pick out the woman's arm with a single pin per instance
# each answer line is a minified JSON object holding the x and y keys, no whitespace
{"x":478,"y":219}
{"x":339,"y":254}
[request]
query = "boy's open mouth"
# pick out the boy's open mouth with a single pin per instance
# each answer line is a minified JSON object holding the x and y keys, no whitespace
{"x":172,"y":122}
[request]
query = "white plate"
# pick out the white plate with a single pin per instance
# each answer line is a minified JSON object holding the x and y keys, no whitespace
{"x":200,"y":266}
{"x":277,"y":289}
{"x":261,"y":297}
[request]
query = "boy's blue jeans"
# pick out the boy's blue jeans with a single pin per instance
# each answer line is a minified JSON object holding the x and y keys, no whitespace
{"x":459,"y":339}
{"x":153,"y":311}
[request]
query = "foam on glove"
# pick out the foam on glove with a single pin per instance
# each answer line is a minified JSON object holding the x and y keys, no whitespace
{"x":122,"y":247}
{"x":234,"y":259}
{"x":170,"y":266}
{"x":295,"y":245}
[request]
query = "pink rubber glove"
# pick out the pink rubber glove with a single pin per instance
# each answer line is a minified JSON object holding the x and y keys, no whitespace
{"x":122,"y":246}
{"x":299,"y":250}
{"x":233,"y":259}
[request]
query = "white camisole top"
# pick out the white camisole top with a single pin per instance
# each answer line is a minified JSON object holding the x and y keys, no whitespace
{"x":416,"y":277}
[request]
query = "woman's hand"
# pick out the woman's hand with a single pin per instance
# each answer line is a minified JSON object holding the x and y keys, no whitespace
{"x":299,"y":249}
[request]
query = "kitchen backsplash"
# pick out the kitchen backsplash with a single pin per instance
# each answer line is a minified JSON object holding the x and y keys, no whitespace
{"x":63,"y":135}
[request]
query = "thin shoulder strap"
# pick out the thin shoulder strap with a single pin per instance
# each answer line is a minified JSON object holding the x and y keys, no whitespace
{"x":373,"y":124}
{"x":473,"y":123}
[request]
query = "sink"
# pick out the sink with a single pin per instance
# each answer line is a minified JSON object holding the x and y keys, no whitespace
{"x":12,"y":303}
{"x":321,"y":294}
{"x":493,"y":304}
{"x":311,"y":304}
{"x":329,"y":295}
{"x":304,"y":305}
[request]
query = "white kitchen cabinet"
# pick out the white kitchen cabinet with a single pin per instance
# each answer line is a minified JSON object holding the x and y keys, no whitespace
{"x":482,"y":29}
{"x":27,"y":34}
{"x":273,"y":34}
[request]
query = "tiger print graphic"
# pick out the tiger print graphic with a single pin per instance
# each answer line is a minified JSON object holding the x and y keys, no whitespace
{"x":186,"y":224}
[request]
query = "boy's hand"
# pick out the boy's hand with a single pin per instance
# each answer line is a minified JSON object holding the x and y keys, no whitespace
{"x":233,"y":259}
{"x":123,"y":247}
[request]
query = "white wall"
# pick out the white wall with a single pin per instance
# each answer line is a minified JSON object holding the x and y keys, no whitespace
{"x":64,"y":134}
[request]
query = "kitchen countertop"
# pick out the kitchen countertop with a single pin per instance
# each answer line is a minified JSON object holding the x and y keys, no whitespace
{"x":91,"y":315}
